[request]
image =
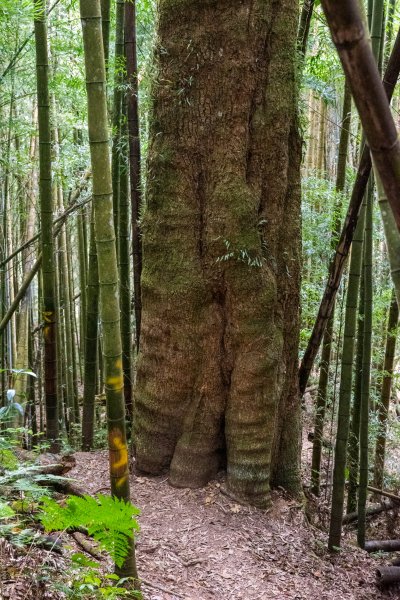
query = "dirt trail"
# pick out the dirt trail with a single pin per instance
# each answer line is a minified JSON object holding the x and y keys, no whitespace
{"x":200,"y":545}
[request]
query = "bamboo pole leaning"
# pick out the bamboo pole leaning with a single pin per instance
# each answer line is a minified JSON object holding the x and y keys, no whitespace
{"x":304,"y":26}
{"x":388,"y":575}
{"x":74,"y":205}
{"x":351,"y":40}
{"x":342,"y":250}
{"x":35,"y":267}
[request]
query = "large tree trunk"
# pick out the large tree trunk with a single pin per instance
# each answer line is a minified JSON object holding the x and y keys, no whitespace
{"x":216,"y":369}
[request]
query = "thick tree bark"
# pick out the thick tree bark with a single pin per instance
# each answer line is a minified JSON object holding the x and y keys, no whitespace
{"x":216,"y":370}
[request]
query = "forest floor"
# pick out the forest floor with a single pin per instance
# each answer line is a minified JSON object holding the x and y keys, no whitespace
{"x":200,"y":545}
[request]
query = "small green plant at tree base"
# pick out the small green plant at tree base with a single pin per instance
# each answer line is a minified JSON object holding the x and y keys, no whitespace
{"x":89,"y":582}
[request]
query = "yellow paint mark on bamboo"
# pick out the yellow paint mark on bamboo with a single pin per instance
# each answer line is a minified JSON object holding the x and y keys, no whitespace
{"x":121,"y":481}
{"x":48,"y":316}
{"x":119,"y":454}
{"x":116,"y":381}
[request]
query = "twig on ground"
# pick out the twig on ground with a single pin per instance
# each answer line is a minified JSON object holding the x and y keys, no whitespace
{"x":85,"y":545}
{"x":160,"y":587}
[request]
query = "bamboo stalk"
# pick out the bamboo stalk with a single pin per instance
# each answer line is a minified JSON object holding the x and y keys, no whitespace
{"x":383,"y":493}
{"x":342,"y":250}
{"x":384,"y":545}
{"x":351,"y":39}
{"x":107,"y":259}
{"x":134,"y":159}
{"x":388,"y":575}
{"x":59,"y":219}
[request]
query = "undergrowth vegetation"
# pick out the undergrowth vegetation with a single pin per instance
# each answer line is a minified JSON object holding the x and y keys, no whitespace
{"x":30,"y":510}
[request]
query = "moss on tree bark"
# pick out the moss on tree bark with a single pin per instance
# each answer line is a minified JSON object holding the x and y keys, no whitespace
{"x":216,"y":380}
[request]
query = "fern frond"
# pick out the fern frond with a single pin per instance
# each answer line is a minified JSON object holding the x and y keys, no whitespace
{"x":110,"y":521}
{"x":29,"y":480}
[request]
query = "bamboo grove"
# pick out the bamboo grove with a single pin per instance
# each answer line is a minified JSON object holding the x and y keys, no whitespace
{"x":73,"y":188}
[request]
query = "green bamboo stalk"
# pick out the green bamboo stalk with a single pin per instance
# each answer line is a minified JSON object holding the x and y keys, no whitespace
{"x":62,"y":394}
{"x":117,"y":109}
{"x":124,"y":279}
{"x":69,"y":273}
{"x":65,"y":319}
{"x":20,"y":294}
{"x":119,"y":66}
{"x":366,"y":368}
{"x":327,"y":342}
{"x":28,"y":225}
{"x":392,"y":237}
{"x":81,"y":233}
{"x":10,"y":349}
{"x":389,"y":30}
{"x":91,"y":345}
{"x":383,"y":407}
{"x":376,"y":39}
{"x":134,"y":159}
{"x":304,"y":26}
{"x":335,"y":529}
{"x":339,"y":260}
{"x":71,"y":209}
{"x":354,"y":439}
{"x":350,"y":37}
{"x":46,"y":215}
{"x":106,"y":254}
{"x":105,"y":24}
{"x":26,"y":283}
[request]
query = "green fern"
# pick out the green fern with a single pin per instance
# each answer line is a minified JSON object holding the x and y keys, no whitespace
{"x":28,"y":479}
{"x":110,"y":521}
